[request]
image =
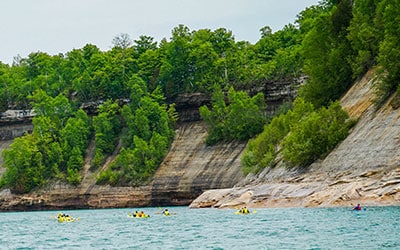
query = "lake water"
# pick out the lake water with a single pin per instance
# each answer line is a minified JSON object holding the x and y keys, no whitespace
{"x":286,"y":228}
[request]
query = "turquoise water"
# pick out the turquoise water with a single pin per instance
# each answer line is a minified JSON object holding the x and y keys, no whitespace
{"x":288,"y":228}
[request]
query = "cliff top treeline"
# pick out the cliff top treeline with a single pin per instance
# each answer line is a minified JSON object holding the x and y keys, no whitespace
{"x":333,"y":43}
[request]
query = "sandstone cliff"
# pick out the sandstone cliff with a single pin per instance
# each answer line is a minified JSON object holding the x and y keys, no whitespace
{"x":189,"y":169}
{"x":364,"y":168}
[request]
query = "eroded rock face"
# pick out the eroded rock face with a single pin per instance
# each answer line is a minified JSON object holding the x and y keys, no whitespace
{"x":191,"y":167}
{"x":75,"y":198}
{"x":364,"y":168}
{"x":11,"y":131}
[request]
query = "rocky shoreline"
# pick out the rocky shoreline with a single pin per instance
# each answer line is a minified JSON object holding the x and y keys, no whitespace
{"x":378,"y":187}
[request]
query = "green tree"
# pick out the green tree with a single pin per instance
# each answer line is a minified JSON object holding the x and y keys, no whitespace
{"x":150,"y":130}
{"x":262,"y":150}
{"x":327,"y":53}
{"x":176,"y":67}
{"x":145,"y":43}
{"x":389,"y":49}
{"x":242,"y":119}
{"x":107,"y":126}
{"x":365,"y":34}
{"x":57,"y":109}
{"x":23,"y":165}
{"x":315,"y":135}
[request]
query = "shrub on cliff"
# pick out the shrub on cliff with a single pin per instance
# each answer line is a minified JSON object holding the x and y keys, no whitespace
{"x":302,"y":135}
{"x":315,"y":135}
{"x":262,"y":150}
{"x":107,"y":127}
{"x":241,"y":119}
{"x":150,"y":131}
{"x":55,"y":149}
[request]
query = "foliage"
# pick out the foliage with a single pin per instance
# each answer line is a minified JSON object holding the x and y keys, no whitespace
{"x":107,"y":126}
{"x":389,"y":49}
{"x":327,"y":53}
{"x":55,"y":148}
{"x":262,"y":150}
{"x":242,"y":119}
{"x":24,"y":170}
{"x":315,"y":135}
{"x":302,"y":135}
{"x":150,"y":125}
{"x":365,"y":34}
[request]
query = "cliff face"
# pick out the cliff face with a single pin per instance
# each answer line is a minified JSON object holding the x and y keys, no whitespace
{"x":364,"y":168}
{"x":191,"y":167}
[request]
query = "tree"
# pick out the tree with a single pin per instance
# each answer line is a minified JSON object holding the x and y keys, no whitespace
{"x":242,"y":119}
{"x":316,"y":134}
{"x":57,"y":109}
{"x":145,"y":43}
{"x":262,"y":150}
{"x":389,"y":49}
{"x":122,"y":41}
{"x":23,"y":165}
{"x":265,"y":31}
{"x":327,"y":53}
{"x":107,"y":126}
{"x":365,"y":34}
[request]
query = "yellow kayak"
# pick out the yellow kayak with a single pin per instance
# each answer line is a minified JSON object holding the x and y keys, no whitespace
{"x":245,"y":211}
{"x":237,"y":212}
{"x":61,"y":217}
{"x":67,"y":219}
{"x":139,"y":216}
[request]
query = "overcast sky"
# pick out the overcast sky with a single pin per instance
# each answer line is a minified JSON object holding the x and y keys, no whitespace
{"x":58,"y":26}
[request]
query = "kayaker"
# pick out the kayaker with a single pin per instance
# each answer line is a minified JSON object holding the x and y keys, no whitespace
{"x":166,"y":212}
{"x":244,"y":210}
{"x":357,"y":208}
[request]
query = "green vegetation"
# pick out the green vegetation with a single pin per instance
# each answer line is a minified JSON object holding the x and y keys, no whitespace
{"x":342,"y":40}
{"x":107,"y":127}
{"x":302,"y":135}
{"x":150,"y":126}
{"x":55,"y":149}
{"x":333,"y":43}
{"x":315,"y":134}
{"x":242,"y":119}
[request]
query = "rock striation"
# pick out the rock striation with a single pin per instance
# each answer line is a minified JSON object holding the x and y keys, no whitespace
{"x":191,"y":167}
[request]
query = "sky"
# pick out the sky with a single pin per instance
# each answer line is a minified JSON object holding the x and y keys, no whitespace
{"x":59,"y":26}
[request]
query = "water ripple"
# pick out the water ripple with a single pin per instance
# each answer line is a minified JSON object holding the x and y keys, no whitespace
{"x":289,"y":228}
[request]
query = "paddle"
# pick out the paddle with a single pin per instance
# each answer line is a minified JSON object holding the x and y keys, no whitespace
{"x":159,"y":212}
